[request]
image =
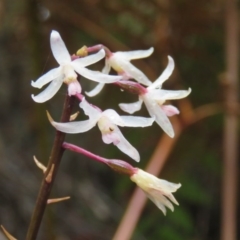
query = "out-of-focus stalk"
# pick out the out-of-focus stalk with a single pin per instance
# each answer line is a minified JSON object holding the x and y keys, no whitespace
{"x":229,"y":187}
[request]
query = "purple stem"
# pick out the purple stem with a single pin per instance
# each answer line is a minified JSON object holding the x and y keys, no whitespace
{"x":117,"y":165}
{"x":99,"y":47}
{"x":77,"y":149}
{"x":79,"y":96}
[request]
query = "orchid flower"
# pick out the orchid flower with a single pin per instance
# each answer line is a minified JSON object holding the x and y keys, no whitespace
{"x":66,"y":72}
{"x":154,"y":97}
{"x":107,"y":122}
{"x":157,"y":190}
{"x":120,"y":62}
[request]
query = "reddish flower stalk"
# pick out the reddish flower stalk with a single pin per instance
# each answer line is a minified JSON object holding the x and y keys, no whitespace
{"x":115,"y":164}
{"x":98,"y":47}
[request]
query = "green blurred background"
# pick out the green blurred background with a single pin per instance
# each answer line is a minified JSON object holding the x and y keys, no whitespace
{"x":193,"y":33}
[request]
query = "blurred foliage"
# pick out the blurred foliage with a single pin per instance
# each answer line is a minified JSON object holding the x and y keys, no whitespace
{"x":191,"y":32}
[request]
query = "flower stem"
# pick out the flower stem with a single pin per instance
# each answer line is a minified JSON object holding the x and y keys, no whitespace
{"x":98,"y":47}
{"x":116,"y":164}
{"x":49,"y":176}
{"x":77,"y":149}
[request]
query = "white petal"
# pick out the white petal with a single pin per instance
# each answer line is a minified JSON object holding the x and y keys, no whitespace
{"x":130,"y":55}
{"x":165,"y":75}
{"x":127,"y":121}
{"x":88,"y":60}
{"x":95,"y":90}
{"x":131,"y":107}
{"x":160,"y":199}
{"x":49,"y":92}
{"x":167,"y":186}
{"x":107,"y":67}
{"x":134,"y":72}
{"x":160,"y":117}
{"x":95,"y":75}
{"x":89,"y":110}
{"x":157,"y":203}
{"x":47,"y":77}
{"x":114,"y":117}
{"x":75,"y":127}
{"x":170,"y":110}
{"x":59,"y":49}
{"x":132,"y":121}
{"x":121,"y":143}
{"x":160,"y":94}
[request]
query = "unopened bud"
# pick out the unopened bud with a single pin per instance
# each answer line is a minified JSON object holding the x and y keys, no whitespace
{"x":82,"y":52}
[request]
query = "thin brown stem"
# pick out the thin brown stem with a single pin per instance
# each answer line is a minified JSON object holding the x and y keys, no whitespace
{"x":50,"y":174}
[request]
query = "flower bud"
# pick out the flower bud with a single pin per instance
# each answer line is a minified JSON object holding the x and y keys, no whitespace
{"x":157,"y":190}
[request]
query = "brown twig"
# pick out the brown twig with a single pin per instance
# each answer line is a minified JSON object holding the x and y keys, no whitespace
{"x":49,"y":176}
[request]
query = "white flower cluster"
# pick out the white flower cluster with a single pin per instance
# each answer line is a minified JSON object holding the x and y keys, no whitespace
{"x":108,"y":120}
{"x":152,"y":94}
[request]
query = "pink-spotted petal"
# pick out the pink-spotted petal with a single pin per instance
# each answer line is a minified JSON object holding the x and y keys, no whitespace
{"x":131,"y":107}
{"x":88,"y":60}
{"x":49,"y":92}
{"x":165,"y":75}
{"x":121,"y":143}
{"x":59,"y":49}
{"x":47,"y":77}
